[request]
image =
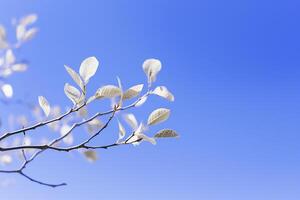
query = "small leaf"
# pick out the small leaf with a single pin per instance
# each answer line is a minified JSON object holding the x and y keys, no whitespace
{"x":72,"y":93}
{"x":19,"y":67}
{"x":108,"y":91}
{"x":9,"y":57}
{"x":146,"y":138}
{"x":88,"y":68}
{"x":151,"y":68}
{"x":5,"y":159}
{"x":122,"y":131}
{"x":64,"y":130}
{"x":7,"y":90}
{"x":29,"y":34}
{"x":165,"y":133}
{"x":2,"y":33}
{"x":158,"y":115}
{"x":44,"y":105}
{"x":133,"y":91}
{"x":91,"y":155}
{"x":20,"y":32}
{"x":131,"y":120}
{"x":141,"y":101}
{"x":75,"y":77}
{"x":163,"y":92}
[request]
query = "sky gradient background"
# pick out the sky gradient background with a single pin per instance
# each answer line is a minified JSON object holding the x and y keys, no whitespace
{"x":233,"y":67}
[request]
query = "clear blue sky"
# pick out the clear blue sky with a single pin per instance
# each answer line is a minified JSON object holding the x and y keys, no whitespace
{"x":234,"y":67}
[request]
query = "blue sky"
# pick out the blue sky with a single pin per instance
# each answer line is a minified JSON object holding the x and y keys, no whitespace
{"x":233,"y":67}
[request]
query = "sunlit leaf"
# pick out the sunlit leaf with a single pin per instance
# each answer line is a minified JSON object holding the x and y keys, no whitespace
{"x":163,"y":92}
{"x":133,"y":91}
{"x":44,"y":105}
{"x":108,"y":91}
{"x":90,"y":155}
{"x":158,"y":115}
{"x":151,"y":68}
{"x":166,"y":133}
{"x":75,"y":77}
{"x":72,"y":93}
{"x":88,"y":68}
{"x":7,"y":90}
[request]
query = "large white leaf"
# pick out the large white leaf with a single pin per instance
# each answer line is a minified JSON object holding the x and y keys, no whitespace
{"x":75,"y":77}
{"x":7,"y":90}
{"x":108,"y":91}
{"x":44,"y":105}
{"x":133,"y":91}
{"x":131,"y":120}
{"x":72,"y":93}
{"x":91,"y":155}
{"x":88,"y":68}
{"x":158,"y":115}
{"x":151,"y":68}
{"x":163,"y":92}
{"x":165,"y":133}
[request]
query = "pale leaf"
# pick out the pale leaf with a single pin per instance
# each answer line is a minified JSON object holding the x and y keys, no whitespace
{"x":166,"y":133}
{"x":133,"y":91}
{"x":2,"y":33}
{"x":141,"y":101}
{"x":75,"y":77}
{"x":65,"y":130}
{"x":108,"y":91}
{"x":28,"y":35}
{"x":7,"y":90}
{"x":158,"y":115}
{"x":163,"y":92}
{"x":131,"y":120}
{"x":29,"y":19}
{"x":5,"y":159}
{"x":19,"y":67}
{"x":72,"y":93}
{"x":9,"y":57}
{"x":44,"y":105}
{"x":146,"y":138}
{"x":88,"y":68}
{"x":122,"y":131}
{"x":90,"y":155}
{"x":151,"y":68}
{"x":20,"y":32}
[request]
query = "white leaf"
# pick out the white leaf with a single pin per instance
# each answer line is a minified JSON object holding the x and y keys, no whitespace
{"x":165,"y":133}
{"x":29,"y":19}
{"x":9,"y":57}
{"x":163,"y":92}
{"x":141,"y":101}
{"x":44,"y":105}
{"x":131,"y":120}
{"x":122,"y":131}
{"x":20,"y":32}
{"x":64,"y":130}
{"x":2,"y":33}
{"x":133,"y":91}
{"x":7,"y":90}
{"x":20,"y":67}
{"x":92,"y":98}
{"x":5,"y":159}
{"x":75,"y":77}
{"x":72,"y":93}
{"x":94,"y":125}
{"x":91,"y":155}
{"x":88,"y":68}
{"x":146,"y":138}
{"x":151,"y":68}
{"x":158,"y":115}
{"x":28,"y":35}
{"x":108,"y":91}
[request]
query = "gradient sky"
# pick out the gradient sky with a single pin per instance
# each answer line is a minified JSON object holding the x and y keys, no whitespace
{"x":233,"y":67}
